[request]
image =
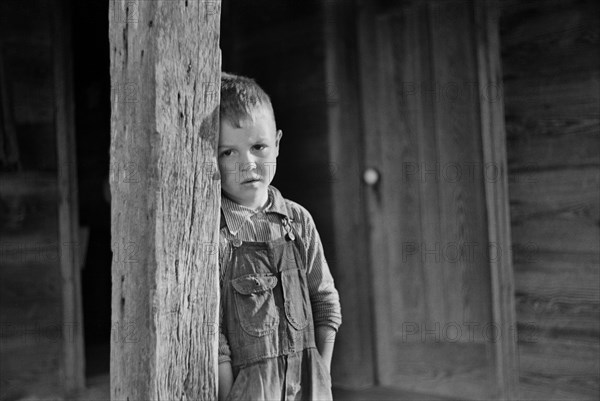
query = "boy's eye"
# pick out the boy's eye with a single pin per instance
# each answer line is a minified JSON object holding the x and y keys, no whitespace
{"x":259,"y":147}
{"x":226,"y":152}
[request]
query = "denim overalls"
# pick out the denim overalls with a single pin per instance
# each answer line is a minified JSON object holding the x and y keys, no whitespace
{"x":268,"y":320}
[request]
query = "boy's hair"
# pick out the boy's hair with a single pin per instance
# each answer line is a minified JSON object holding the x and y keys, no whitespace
{"x":241,"y":98}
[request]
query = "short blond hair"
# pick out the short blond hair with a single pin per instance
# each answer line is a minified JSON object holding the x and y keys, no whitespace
{"x":241,"y":99}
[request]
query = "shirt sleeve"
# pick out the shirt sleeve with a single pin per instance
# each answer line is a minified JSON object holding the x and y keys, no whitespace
{"x":224,"y":350}
{"x":324,"y":297}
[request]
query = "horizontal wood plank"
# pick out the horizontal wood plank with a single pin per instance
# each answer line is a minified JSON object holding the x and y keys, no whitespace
{"x":28,"y":183}
{"x":566,"y":316}
{"x":541,"y":144}
{"x":555,"y":40}
{"x":545,"y":273}
{"x":534,"y":21}
{"x":558,"y":293}
{"x":556,"y":234}
{"x":37,"y":366}
{"x":551,"y":92}
{"x":30,"y":281}
{"x":560,"y":368}
{"x":569,"y":194}
{"x":575,"y":96}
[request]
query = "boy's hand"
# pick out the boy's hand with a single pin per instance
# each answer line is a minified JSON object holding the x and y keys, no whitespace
{"x":325,"y":338}
{"x":225,"y":380}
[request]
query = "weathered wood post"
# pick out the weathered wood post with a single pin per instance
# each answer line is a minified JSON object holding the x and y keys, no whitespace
{"x":165,"y":78}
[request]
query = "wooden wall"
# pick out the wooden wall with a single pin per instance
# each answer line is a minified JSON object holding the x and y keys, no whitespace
{"x":30,"y":291}
{"x":39,"y":343}
{"x":551,"y":86}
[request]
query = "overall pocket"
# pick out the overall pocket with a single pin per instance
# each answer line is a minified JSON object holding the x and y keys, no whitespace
{"x":255,"y":304}
{"x":295,"y":294}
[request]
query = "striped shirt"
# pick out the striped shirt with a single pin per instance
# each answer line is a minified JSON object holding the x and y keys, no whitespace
{"x":265,"y":225}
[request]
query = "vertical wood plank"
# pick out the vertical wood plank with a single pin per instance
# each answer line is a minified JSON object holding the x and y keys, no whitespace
{"x":73,"y":365}
{"x":497,"y":200}
{"x":401,"y":110}
{"x":431,"y":239}
{"x":460,"y":166}
{"x":165,"y":77}
{"x":353,"y":362}
{"x":378,"y":246}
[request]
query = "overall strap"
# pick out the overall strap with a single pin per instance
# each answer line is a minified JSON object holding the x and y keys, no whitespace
{"x":292,"y":231}
{"x":293,"y":224}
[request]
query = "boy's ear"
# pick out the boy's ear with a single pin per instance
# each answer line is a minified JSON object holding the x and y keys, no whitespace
{"x":278,"y":137}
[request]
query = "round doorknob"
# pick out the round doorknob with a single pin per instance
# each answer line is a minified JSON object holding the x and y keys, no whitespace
{"x":371,"y":176}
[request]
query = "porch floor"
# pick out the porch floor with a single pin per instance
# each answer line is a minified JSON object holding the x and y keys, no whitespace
{"x":382,"y":394}
{"x":98,"y":389}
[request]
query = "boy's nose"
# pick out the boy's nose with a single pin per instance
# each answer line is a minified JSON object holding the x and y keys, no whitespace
{"x":249,"y":166}
{"x":248,"y":162}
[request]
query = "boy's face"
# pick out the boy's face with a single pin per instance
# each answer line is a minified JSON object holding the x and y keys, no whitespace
{"x":247,"y":159}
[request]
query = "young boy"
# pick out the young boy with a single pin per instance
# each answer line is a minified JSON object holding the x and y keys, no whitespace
{"x":280,"y":310}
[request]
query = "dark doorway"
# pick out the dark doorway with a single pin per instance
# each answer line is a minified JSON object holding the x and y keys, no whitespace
{"x":92,"y":127}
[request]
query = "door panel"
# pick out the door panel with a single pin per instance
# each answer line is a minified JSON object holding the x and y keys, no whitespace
{"x":429,"y":247}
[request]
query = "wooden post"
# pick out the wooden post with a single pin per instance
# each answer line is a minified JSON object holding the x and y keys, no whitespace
{"x":165,"y":189}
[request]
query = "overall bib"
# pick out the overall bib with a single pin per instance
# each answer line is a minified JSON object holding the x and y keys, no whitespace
{"x":268,"y":320}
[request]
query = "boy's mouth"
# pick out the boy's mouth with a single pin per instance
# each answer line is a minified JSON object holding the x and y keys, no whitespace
{"x":251,"y":180}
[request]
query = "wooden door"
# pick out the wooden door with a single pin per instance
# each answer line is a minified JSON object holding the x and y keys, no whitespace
{"x":434,"y":200}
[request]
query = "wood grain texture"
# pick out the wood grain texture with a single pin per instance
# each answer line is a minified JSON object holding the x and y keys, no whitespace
{"x":536,"y":144}
{"x":30,"y":292}
{"x":426,"y":189}
{"x":438,"y":367}
{"x":555,"y":369}
{"x":463,"y":209}
{"x":382,"y":394}
{"x":417,"y":130}
{"x":165,"y":71}
{"x":556,"y":234}
{"x":537,"y":97}
{"x":566,"y":33}
{"x":32,"y":368}
{"x":557,"y":294}
{"x":492,"y":117}
{"x":564,"y":193}
{"x":377,"y":241}
{"x":551,"y":65}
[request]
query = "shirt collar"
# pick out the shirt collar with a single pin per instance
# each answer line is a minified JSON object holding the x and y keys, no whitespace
{"x":236,"y":214}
